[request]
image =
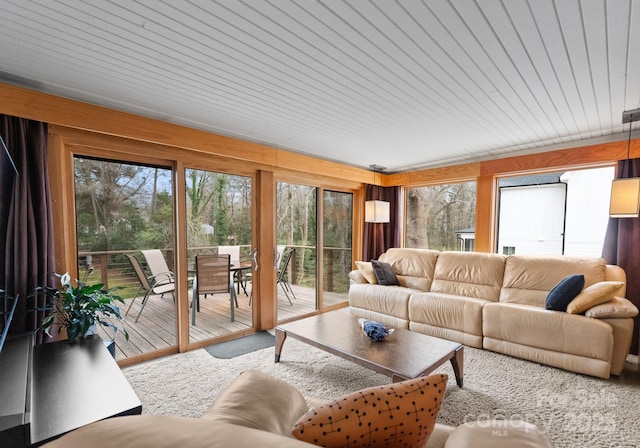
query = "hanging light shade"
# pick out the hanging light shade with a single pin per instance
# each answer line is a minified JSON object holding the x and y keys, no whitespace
{"x":625,"y":193}
{"x":376,"y":211}
{"x":625,"y":198}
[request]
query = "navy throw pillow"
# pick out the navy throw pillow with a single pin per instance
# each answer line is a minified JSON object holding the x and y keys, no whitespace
{"x":384,"y":273}
{"x":564,"y":292}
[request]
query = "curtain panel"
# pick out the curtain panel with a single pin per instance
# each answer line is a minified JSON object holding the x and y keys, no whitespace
{"x":621,"y":244}
{"x":26,"y":224}
{"x":378,"y":237}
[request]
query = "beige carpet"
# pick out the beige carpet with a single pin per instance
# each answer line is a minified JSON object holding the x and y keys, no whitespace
{"x":574,"y":410}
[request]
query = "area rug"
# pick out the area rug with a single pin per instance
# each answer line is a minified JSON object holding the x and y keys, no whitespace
{"x":241,"y":346}
{"x":574,"y":410}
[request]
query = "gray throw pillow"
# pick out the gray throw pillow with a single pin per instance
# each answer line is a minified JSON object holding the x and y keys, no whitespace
{"x":384,"y":273}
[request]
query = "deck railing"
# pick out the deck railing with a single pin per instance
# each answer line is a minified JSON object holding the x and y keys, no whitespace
{"x":113,"y":269}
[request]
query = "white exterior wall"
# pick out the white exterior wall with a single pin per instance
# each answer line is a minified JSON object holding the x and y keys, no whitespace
{"x":588,"y":195}
{"x":532,"y":219}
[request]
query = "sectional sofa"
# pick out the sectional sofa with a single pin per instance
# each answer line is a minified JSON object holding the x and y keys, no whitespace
{"x":497,"y":302}
{"x":258,"y":410}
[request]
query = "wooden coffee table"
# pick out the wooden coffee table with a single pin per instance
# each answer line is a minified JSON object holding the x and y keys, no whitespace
{"x":403,"y":355}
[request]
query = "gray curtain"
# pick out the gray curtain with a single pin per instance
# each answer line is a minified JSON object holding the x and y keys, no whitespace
{"x":26,"y":224}
{"x":621,"y":245}
{"x":379,"y":237}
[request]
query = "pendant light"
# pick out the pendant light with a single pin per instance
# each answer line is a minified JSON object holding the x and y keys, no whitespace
{"x":376,"y":211}
{"x":625,"y":193}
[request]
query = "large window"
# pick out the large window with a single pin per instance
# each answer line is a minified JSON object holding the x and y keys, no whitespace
{"x":555,"y":213}
{"x":441,"y":217}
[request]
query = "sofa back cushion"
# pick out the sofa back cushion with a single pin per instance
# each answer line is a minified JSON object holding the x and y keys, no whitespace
{"x":413,"y":267}
{"x":529,"y":278}
{"x":469,"y":274}
{"x":260,"y":401}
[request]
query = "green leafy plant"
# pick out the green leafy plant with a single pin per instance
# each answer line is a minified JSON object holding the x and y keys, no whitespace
{"x":79,"y":308}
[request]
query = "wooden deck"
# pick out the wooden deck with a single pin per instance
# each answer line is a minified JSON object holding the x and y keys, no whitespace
{"x":156,"y":328}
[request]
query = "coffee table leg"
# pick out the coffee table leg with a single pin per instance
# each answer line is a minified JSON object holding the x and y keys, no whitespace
{"x":456,"y":363}
{"x":280,"y":337}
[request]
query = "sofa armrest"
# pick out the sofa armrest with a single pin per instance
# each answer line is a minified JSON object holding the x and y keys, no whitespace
{"x":356,"y":277}
{"x":616,"y":274}
{"x":617,"y":307}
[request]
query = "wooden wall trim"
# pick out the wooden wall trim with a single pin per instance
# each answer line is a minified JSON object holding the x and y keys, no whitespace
{"x":565,"y":159}
{"x":486,"y":213}
{"x":579,"y":157}
{"x":265,"y":295}
{"x":21,"y":102}
{"x":448,"y":174}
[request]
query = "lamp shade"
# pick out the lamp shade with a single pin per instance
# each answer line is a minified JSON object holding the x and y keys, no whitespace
{"x":376,"y":211}
{"x":625,"y":198}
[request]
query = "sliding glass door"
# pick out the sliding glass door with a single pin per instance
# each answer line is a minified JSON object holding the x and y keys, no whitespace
{"x":337,"y":226}
{"x":314,"y":237}
{"x":123,"y":209}
{"x":297,"y":253}
{"x":219,"y":231}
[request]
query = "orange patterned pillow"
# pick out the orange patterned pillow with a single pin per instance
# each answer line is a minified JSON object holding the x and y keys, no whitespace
{"x":399,"y":415}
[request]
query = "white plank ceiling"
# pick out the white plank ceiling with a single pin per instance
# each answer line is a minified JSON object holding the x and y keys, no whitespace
{"x":405,"y":84}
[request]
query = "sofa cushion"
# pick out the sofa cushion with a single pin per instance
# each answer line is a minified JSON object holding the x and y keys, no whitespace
{"x":414,"y":267}
{"x":399,"y":414}
{"x":459,"y":313}
{"x":554,"y":331}
{"x":366,"y":270}
{"x":564,"y":292}
{"x":163,"y":431}
{"x":389,"y":300}
{"x":257,"y":400}
{"x":593,"y":295}
{"x":498,"y":434}
{"x":384,"y":273}
{"x":614,"y":308}
{"x":469,"y":274}
{"x":529,"y":278}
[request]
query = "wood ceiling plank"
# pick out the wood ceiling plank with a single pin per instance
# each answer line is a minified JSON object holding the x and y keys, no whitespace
{"x":571,"y":23}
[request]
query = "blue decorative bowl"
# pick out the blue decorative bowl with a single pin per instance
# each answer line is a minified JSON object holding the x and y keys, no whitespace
{"x":375,"y":330}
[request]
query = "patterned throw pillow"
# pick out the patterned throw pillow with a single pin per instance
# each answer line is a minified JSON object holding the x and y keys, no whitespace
{"x":396,"y":415}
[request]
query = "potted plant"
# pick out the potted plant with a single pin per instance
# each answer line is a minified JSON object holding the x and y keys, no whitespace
{"x":79,"y":309}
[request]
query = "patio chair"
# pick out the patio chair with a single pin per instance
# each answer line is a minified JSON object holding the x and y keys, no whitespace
{"x":158,"y":266}
{"x":151,"y":285}
{"x":238,"y":276}
{"x":213,"y":276}
{"x":283,"y":276}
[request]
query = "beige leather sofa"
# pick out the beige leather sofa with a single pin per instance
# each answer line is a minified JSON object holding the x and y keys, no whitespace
{"x":498,"y":302}
{"x":258,"y":410}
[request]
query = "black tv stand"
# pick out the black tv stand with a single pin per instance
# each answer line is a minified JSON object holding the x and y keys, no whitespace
{"x":51,"y":389}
